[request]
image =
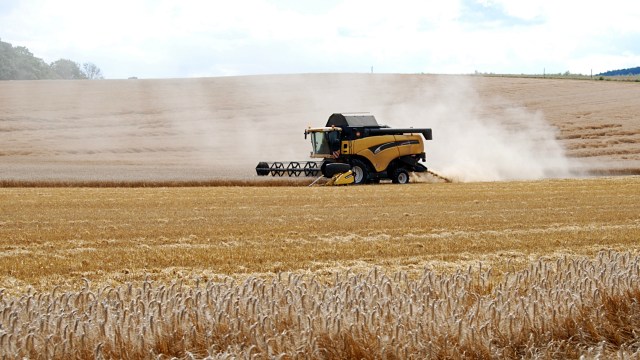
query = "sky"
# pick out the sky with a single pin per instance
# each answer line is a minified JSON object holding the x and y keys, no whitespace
{"x":202,"y":38}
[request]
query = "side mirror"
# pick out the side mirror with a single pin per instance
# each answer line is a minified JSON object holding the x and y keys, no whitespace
{"x":332,"y":169}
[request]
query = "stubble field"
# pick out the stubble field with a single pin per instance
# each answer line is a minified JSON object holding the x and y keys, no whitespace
{"x":56,"y":236}
{"x":513,"y":269}
{"x":544,"y":268}
{"x":484,"y":128}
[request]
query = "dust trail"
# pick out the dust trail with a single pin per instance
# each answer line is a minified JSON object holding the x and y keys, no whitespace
{"x":199,"y":129}
{"x":438,"y":176}
{"x":478,"y":138}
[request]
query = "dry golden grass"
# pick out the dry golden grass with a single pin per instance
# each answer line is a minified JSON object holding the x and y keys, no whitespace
{"x":322,"y":272}
{"x":262,"y":181}
{"x":212,"y":128}
{"x":565,"y":308}
{"x":597,"y":121}
{"x":110,"y":254}
{"x":55,"y":236}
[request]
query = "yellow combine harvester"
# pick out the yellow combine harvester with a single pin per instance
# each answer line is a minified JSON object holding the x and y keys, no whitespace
{"x":356,"y":149}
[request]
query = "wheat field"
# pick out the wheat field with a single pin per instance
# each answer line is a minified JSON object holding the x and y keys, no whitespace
{"x":196,"y":130}
{"x":438,"y":270}
{"x":565,"y":308}
{"x":58,"y":235}
{"x":132,"y":225}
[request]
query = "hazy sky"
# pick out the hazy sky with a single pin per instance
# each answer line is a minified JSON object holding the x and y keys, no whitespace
{"x":189,"y":38}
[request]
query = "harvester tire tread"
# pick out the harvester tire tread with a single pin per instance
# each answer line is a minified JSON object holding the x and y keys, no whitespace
{"x":360,"y":172}
{"x":400,"y":176}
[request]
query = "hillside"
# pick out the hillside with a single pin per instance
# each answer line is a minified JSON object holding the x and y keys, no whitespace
{"x":622,"y":72}
{"x":485,"y":128}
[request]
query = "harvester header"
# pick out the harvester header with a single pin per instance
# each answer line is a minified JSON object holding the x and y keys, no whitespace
{"x":355,"y":148}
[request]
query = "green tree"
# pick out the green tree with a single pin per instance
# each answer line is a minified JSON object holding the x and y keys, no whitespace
{"x":92,"y":71}
{"x":18,"y":63}
{"x":67,"y":69}
{"x":29,"y":67}
{"x":7,"y":62}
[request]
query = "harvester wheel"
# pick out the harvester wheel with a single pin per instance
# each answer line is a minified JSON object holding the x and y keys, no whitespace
{"x":360,"y":172}
{"x":400,"y":176}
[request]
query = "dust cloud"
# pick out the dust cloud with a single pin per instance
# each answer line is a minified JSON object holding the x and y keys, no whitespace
{"x":192,"y":129}
{"x":480,"y":138}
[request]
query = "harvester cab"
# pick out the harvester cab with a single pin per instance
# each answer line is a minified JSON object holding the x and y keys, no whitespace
{"x":356,"y":149}
{"x":325,"y":142}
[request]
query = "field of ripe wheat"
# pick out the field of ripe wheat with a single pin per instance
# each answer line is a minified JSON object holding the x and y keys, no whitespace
{"x":505,"y":269}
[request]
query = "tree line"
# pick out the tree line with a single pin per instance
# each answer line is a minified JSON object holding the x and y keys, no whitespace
{"x":18,"y":63}
{"x":622,"y":72}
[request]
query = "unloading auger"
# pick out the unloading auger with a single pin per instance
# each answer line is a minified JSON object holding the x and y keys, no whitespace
{"x":356,"y":149}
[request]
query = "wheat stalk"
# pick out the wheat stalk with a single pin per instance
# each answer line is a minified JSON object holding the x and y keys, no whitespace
{"x":547,"y":308}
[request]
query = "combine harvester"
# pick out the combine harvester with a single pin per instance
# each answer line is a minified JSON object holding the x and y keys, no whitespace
{"x":357,"y":150}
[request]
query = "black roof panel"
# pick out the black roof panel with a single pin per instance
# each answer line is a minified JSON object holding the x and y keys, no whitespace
{"x":351,"y":120}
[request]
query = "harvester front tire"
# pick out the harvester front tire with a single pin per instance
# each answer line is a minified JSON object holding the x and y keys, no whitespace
{"x":360,"y":172}
{"x":400,"y":176}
